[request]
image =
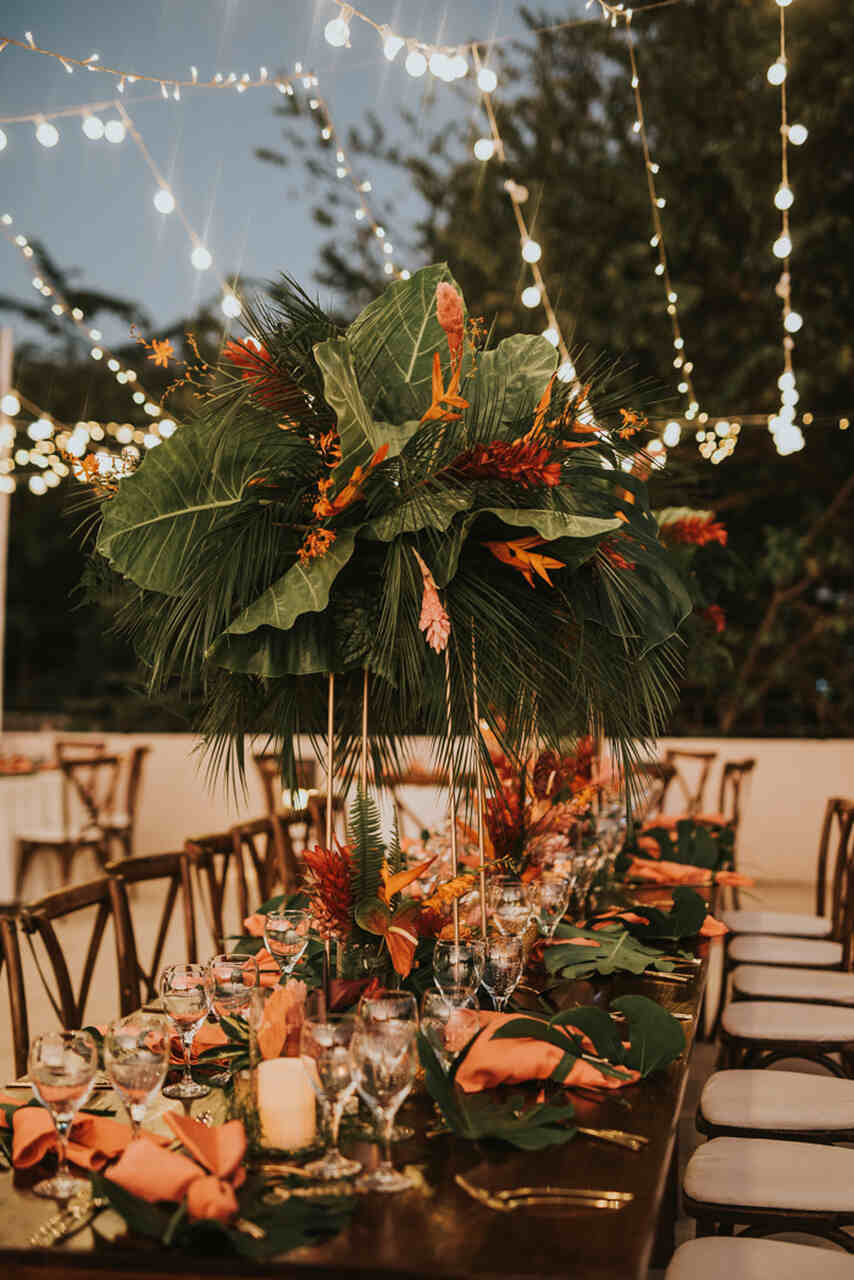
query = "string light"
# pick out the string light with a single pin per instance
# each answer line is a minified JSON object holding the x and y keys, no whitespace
{"x":337,"y":32}
{"x":47,"y":134}
{"x":93,"y":127}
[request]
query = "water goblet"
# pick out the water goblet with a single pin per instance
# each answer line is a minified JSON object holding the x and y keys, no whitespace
{"x":551,"y":899}
{"x":326,"y":1039}
{"x":586,"y":864}
{"x":62,"y":1066}
{"x":136,"y":1059}
{"x":448,"y":1027}
{"x":510,"y":903}
{"x":186,"y":991}
{"x":383,"y":1054}
{"x":382,"y":1006}
{"x":458,"y":967}
{"x":286,"y":936}
{"x":232,"y":978}
{"x":505,"y":959}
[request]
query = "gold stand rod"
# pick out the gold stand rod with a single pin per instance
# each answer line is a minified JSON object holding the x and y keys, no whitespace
{"x":481,"y":852}
{"x":364,"y":769}
{"x":452,"y":782}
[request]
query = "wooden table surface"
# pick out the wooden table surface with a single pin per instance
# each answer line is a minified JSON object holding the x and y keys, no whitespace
{"x":438,"y":1230}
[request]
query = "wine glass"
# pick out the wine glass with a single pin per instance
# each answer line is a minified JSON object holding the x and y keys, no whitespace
{"x":505,"y":958}
{"x":448,"y":1027}
{"x":232,"y":978}
{"x":62,"y":1066}
{"x":326,"y":1039}
{"x":384,"y":1062}
{"x":586,"y":864}
{"x":458,"y":967}
{"x":382,"y":1006}
{"x":286,"y":936}
{"x":186,"y":990}
{"x":136,"y":1059}
{"x":551,"y":896}
{"x":510,"y":903}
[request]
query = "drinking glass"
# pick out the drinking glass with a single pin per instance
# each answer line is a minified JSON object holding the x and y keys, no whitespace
{"x":186,"y":990}
{"x":383,"y":1006}
{"x":326,"y":1040}
{"x":136,"y":1059}
{"x":383,"y":1054}
{"x":586,"y":864}
{"x":551,"y":895}
{"x":232,"y":978}
{"x":510,"y":903}
{"x":62,"y":1066}
{"x":448,"y":1027}
{"x":458,"y":967}
{"x":286,"y":936}
{"x":505,"y":958}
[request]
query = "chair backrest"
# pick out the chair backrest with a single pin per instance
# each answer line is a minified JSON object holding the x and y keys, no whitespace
{"x":36,"y":924}
{"x":136,"y":764}
{"x":655,"y":776}
{"x":75,"y":748}
{"x":841,"y":814}
{"x":833,"y":858}
{"x":734,"y":778}
{"x":172,"y":872}
{"x":265,"y":845}
{"x":693,"y":792}
{"x":211,"y":857}
{"x":269,"y":766}
{"x":94,"y":782}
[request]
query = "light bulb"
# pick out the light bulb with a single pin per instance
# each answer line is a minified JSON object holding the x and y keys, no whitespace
{"x":552,"y":336}
{"x":798,"y":134}
{"x":164,"y":201}
{"x":487,"y":80}
{"x":37,"y":485}
{"x":167,"y":428}
{"x":785,"y":197}
{"x":47,"y":134}
{"x":793,"y":322}
{"x":416,"y":63}
{"x":7,"y":484}
{"x":114,"y":131}
{"x":41,"y":429}
{"x":96,"y":353}
{"x":230,"y":306}
{"x":459,"y":67}
{"x":440,"y":66}
{"x":566,"y":371}
{"x":3,"y":140}
{"x":782,"y":246}
{"x":776,"y":73}
{"x":531,"y":296}
{"x":392,"y":46}
{"x":672,"y":434}
{"x":784,"y":3}
{"x":531,"y":251}
{"x":337,"y":32}
{"x":484,"y":149}
{"x":10,"y":404}
{"x":790,"y":397}
{"x":785,"y":381}
{"x":200,"y":258}
{"x":93,"y":127}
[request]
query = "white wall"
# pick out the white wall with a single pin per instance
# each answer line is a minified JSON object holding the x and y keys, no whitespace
{"x":781,"y":813}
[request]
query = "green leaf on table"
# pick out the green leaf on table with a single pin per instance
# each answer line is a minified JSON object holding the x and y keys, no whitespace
{"x":615,"y":951}
{"x":683,"y":920}
{"x":656,"y":1038}
{"x":594,"y":1023}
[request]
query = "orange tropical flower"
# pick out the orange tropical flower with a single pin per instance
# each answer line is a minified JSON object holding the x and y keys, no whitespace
{"x":632,"y":423}
{"x":325,"y":507}
{"x":449,"y":313}
{"x":434,"y":620}
{"x":520,"y":555}
{"x":444,"y":402}
{"x":161,"y":352}
{"x":317,"y":543}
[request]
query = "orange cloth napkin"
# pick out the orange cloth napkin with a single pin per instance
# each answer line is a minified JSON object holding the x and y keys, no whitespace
{"x":211,"y":1198}
{"x":661,"y":872}
{"x":279,"y":1032}
{"x":220,"y":1148}
{"x":146,"y":1170}
{"x":93,"y":1141}
{"x":269,"y":972}
{"x":254,"y":925}
{"x":710,"y":928}
{"x":152,"y":1174}
{"x":210,"y":1035}
{"x":492,"y":1062}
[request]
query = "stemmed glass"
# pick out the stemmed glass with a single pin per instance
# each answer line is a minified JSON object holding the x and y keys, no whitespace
{"x":326,"y":1039}
{"x":383,"y":1006}
{"x":232,"y":978}
{"x":510,"y":904}
{"x":286,"y":936}
{"x":136,"y":1059}
{"x":62,"y":1066}
{"x":505,"y":959}
{"x":586,"y":864}
{"x":458,"y":968}
{"x":551,"y":900}
{"x":384,"y":1061}
{"x":186,"y":990}
{"x":448,"y":1027}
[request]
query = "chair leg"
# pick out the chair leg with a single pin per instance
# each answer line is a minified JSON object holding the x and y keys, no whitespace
{"x":66,"y":857}
{"x":23,"y":858}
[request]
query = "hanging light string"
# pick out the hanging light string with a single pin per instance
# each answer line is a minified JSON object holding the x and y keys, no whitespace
{"x":84,"y":109}
{"x":787,"y":435}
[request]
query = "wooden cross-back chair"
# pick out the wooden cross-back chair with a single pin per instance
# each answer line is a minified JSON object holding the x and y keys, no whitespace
{"x":172,"y":872}
{"x":735,"y":777}
{"x":415,"y":776}
{"x":92,"y":782}
{"x":692,"y":792}
{"x":306,"y":823}
{"x":119,"y":824}
{"x":75,"y":748}
{"x":36,"y":925}
{"x":655,"y":778}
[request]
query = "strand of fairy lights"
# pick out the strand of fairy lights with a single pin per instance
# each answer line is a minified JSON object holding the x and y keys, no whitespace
{"x":787,"y":435}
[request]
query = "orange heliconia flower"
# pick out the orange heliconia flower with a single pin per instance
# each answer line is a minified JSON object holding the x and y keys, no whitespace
{"x":317,"y":543}
{"x":444,"y":402}
{"x":520,"y":555}
{"x":161,"y":352}
{"x":325,"y":507}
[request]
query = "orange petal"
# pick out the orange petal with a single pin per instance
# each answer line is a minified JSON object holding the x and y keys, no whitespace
{"x":396,"y":883}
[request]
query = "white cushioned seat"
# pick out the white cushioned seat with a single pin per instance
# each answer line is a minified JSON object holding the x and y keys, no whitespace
{"x":762,"y":948}
{"x":788,"y":923}
{"x":773,"y":1020}
{"x":766,"y":1173}
{"x":777,"y":1100}
{"x":740,"y":1259}
{"x":767,"y":982}
{"x":56,"y":835}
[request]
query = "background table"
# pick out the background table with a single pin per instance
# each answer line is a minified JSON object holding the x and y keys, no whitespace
{"x":27,"y":802}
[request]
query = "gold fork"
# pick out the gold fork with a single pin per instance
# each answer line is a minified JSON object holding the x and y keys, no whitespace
{"x":558,"y":1197}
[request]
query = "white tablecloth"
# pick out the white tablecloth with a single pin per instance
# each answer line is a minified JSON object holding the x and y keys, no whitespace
{"x":29,"y":802}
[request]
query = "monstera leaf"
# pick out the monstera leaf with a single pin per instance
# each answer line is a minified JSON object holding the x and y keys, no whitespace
{"x":513,"y":376}
{"x":154,"y":528}
{"x":393,"y":341}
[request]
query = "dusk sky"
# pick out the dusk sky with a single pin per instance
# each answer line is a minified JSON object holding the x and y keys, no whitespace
{"x":90,"y":202}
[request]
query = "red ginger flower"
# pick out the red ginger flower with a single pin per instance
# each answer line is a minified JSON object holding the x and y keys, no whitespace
{"x":714,"y":613}
{"x":695,"y":530}
{"x":329,"y":885}
{"x":523,"y":462}
{"x":449,"y":313}
{"x":269,"y":384}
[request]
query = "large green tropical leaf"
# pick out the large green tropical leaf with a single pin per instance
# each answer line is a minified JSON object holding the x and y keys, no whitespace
{"x":551,"y":524}
{"x":303,"y":589}
{"x":393,"y":341}
{"x":154,"y":528}
{"x":655,"y":1037}
{"x":513,"y":375}
{"x":427,"y":511}
{"x":303,"y":650}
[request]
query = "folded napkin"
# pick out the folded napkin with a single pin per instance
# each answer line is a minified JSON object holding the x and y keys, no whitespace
{"x":493,"y":1062}
{"x":658,"y":871}
{"x":254,"y":925}
{"x":211,"y":1198}
{"x":146,"y":1170}
{"x":710,"y":928}
{"x":220,"y":1148}
{"x":93,"y":1140}
{"x":210,"y":1035}
{"x":269,"y":973}
{"x":278,"y":1034}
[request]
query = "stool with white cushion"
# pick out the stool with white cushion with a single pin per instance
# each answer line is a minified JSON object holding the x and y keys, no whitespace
{"x":747,"y":1259}
{"x":777,"y":1104}
{"x":768,"y":982}
{"x":758,"y":1033}
{"x":771,"y":1186}
{"x":807,"y":953}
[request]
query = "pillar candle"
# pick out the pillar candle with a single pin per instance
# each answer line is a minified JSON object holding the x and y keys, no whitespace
{"x":286,"y":1104}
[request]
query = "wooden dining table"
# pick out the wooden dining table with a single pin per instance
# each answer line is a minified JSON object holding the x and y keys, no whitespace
{"x":437,"y":1229}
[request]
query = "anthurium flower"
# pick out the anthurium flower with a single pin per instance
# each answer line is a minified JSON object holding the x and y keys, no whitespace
{"x":520,"y":555}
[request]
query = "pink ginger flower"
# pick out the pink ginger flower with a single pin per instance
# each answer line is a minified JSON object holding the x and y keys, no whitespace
{"x":449,"y":313}
{"x":434,"y":620}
